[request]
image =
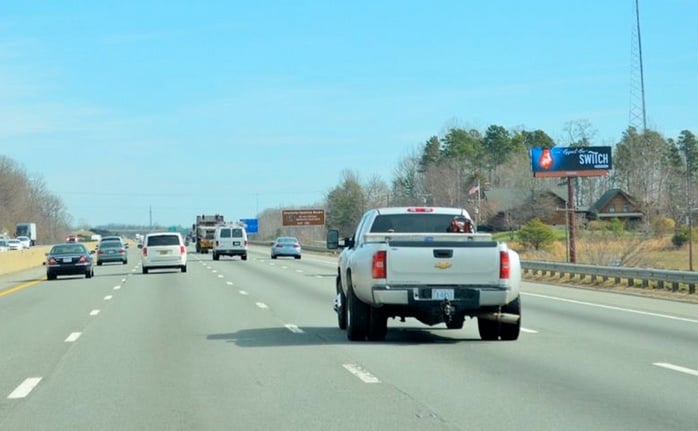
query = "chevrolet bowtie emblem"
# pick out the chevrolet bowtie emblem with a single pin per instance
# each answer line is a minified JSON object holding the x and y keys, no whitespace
{"x":443,"y":265}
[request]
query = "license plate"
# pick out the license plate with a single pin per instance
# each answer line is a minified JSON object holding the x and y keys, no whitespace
{"x":442,"y":294}
{"x":164,"y":252}
{"x":67,"y":260}
{"x":236,"y":242}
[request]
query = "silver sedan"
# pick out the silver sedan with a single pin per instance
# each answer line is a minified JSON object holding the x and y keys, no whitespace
{"x":286,"y":246}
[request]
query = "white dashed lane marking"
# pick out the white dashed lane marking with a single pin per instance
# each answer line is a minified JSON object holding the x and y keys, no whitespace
{"x":73,"y":337}
{"x":293,"y":328}
{"x":94,"y":312}
{"x":107,"y":298}
{"x":24,"y":388}
{"x":677,"y":368}
{"x":262,"y":305}
{"x":361,"y":373}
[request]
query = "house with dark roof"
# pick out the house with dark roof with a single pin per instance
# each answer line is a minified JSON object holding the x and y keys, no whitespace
{"x":510,"y":208}
{"x":615,"y":203}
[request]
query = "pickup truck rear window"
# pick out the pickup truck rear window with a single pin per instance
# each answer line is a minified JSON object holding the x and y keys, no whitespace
{"x":412,"y":223}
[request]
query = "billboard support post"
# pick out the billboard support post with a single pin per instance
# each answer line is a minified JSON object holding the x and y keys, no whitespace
{"x":571,"y":221}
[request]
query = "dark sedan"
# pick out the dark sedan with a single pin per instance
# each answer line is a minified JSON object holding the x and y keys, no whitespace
{"x":69,"y":259}
{"x":111,"y":251}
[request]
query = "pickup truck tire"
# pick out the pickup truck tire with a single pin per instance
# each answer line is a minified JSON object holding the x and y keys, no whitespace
{"x":491,"y":330}
{"x":215,"y":256}
{"x":510,"y":331}
{"x":358,"y":315}
{"x":342,"y":310}
{"x":378,"y":324}
{"x":456,"y":322}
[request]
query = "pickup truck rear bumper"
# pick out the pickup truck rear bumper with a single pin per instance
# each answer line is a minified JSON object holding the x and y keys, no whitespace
{"x":464,"y":297}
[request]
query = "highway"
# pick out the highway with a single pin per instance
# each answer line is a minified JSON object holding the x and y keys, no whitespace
{"x":233,"y":345}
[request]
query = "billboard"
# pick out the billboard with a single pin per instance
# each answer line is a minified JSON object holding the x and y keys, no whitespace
{"x":570,"y":162}
{"x":314,"y":217}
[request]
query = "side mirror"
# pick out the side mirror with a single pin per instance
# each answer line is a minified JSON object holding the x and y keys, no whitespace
{"x":332,"y":239}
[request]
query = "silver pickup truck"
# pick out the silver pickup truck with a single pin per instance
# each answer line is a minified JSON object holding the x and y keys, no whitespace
{"x":406,"y":262}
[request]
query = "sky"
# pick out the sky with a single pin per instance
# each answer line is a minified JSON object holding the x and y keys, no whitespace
{"x":140,"y":111}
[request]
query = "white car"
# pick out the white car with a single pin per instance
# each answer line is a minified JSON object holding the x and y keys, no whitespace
{"x":25,"y":240}
{"x":163,"y":250}
{"x":14,"y":244}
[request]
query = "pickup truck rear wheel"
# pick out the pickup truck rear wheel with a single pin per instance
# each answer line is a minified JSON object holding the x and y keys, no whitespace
{"x":378,"y":324}
{"x":489,"y":329}
{"x":357,"y":316}
{"x":510,"y":331}
{"x":342,"y":307}
{"x":456,"y":322}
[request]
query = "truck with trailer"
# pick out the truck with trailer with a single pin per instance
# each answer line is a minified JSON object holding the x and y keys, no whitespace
{"x":203,"y":231}
{"x":28,"y":230}
{"x":410,"y":262}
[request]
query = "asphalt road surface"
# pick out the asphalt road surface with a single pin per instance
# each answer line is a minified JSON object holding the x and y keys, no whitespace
{"x":233,"y":345}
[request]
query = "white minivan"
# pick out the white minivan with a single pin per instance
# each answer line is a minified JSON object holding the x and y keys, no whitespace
{"x":230,"y":240}
{"x":163,"y":250}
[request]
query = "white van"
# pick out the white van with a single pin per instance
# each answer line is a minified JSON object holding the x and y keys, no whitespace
{"x":230,"y":240}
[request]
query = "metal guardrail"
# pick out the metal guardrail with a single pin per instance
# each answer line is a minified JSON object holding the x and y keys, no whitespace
{"x":646,"y":276}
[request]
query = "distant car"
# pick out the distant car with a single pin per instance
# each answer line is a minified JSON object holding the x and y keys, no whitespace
{"x":25,"y":240}
{"x":111,"y":251}
{"x":286,"y":246}
{"x":113,"y":238}
{"x":163,"y":250}
{"x":3,"y":245}
{"x":72,"y":238}
{"x":229,"y":240}
{"x":14,"y":244}
{"x":69,"y":259}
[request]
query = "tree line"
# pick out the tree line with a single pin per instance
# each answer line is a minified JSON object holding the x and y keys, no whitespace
{"x":28,"y":199}
{"x":658,"y":172}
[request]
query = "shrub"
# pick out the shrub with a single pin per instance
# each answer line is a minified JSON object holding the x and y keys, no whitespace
{"x":663,"y":225}
{"x":536,"y":234}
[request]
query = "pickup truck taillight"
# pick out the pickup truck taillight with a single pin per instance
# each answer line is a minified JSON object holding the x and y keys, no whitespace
{"x":504,"y":266}
{"x":182,"y":249}
{"x":380,"y":264}
{"x":145,"y":251}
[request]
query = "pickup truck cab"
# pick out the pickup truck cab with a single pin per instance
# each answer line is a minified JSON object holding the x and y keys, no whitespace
{"x":408,"y":262}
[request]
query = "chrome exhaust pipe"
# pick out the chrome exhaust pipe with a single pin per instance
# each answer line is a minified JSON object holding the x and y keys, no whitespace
{"x":501,"y":317}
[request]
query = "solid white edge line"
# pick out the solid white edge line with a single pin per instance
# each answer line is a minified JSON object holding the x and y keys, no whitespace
{"x":362,"y":374}
{"x":612,"y":307}
{"x":73,"y":337}
{"x":94,"y":312}
{"x":294,"y":328}
{"x":262,"y":305}
{"x":24,"y":388}
{"x":678,"y":368}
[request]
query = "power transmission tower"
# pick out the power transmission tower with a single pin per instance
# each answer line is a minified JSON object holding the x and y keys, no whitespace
{"x":638,"y":117}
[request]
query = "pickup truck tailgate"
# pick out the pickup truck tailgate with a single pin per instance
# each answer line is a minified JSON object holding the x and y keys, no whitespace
{"x":443,"y":263}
